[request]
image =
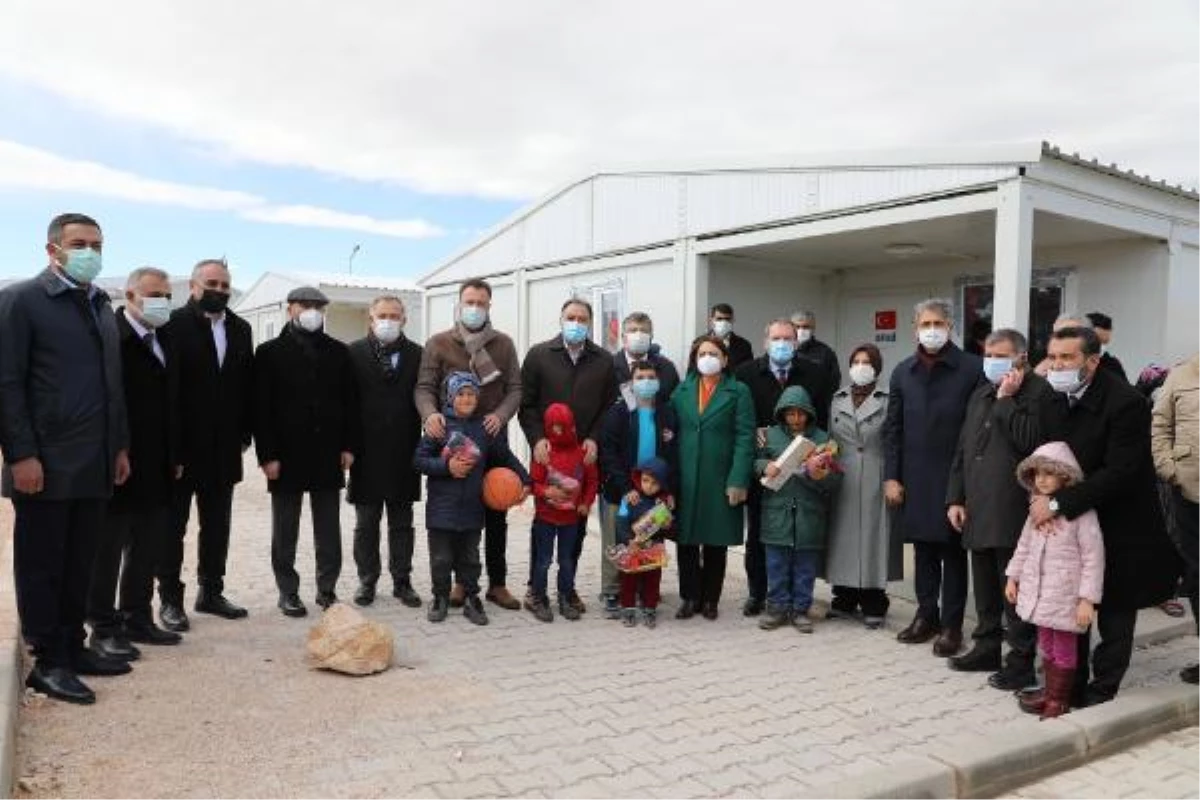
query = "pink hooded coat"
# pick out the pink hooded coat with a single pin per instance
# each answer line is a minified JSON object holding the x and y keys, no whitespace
{"x":1055,"y":571}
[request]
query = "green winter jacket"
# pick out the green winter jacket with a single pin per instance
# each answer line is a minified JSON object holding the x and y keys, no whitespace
{"x":798,"y":514}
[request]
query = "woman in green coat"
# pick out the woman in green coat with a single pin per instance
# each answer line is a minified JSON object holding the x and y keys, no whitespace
{"x":716,"y":457}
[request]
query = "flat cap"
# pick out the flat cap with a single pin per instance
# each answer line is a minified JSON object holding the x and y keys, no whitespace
{"x":307,"y":294}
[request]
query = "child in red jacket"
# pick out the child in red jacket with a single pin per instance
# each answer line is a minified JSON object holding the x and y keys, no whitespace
{"x":563,"y":492}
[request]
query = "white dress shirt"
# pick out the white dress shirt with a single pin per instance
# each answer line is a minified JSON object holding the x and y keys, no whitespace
{"x":219,"y":340}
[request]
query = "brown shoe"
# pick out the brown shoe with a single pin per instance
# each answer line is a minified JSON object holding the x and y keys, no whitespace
{"x":918,"y":631}
{"x":503,"y":598}
{"x":949,"y":643}
{"x":576,"y":602}
{"x":458,"y":596}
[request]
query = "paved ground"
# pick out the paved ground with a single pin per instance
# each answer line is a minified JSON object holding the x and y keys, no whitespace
{"x":1165,"y":767}
{"x":581,"y":709}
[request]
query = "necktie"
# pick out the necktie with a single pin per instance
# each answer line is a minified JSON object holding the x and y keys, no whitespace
{"x":781,"y":376}
{"x":148,"y":339}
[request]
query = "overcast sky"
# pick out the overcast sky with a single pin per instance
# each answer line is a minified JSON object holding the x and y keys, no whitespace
{"x":283,"y":133}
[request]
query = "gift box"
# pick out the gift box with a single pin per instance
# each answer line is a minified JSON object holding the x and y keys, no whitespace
{"x":462,"y":446}
{"x":635,"y":557}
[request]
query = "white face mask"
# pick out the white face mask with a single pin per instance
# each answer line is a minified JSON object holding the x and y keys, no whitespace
{"x":933,"y":339}
{"x":1066,"y":381}
{"x":637,"y":343}
{"x":156,"y":311}
{"x":708,"y":365}
{"x":722,"y":327}
{"x":311,"y":320}
{"x":386,"y":330}
{"x":804,"y":335}
{"x":862,"y":374}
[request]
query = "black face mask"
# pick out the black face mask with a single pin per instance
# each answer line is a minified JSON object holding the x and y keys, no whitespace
{"x":213,"y":301}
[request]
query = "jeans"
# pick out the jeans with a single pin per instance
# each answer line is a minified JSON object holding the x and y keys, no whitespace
{"x":1058,"y":647}
{"x":457,"y":552}
{"x":327,"y":539}
{"x":54,"y":543}
{"x":545,"y":535}
{"x":998,"y":620}
{"x":941,"y":568}
{"x":400,"y":541}
{"x":791,"y":573}
{"x":136,"y":538}
{"x":214,"y":505}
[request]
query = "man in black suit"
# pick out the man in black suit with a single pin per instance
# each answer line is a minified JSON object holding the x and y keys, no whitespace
{"x":720,"y":324}
{"x":139,"y":512}
{"x":215,"y":353}
{"x":385,"y":362}
{"x":1108,"y":428}
{"x":767,"y":376}
{"x":1102,"y":324}
{"x":813,"y":349}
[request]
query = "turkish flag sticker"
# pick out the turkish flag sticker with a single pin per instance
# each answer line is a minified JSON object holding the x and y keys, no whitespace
{"x":885,"y":320}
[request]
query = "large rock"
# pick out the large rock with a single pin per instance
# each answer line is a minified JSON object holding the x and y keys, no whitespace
{"x":346,"y":641}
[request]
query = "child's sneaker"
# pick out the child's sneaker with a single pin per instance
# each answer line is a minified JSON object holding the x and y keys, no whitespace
{"x":612,"y":607}
{"x":540,"y":608}
{"x":650,"y":617}
{"x":772,"y":618}
{"x":567,"y":609}
{"x":630,"y":617}
{"x":438,"y":608}
{"x":802,"y":622}
{"x":473,"y":610}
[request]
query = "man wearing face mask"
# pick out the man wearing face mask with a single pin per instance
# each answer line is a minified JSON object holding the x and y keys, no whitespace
{"x":139,"y":513}
{"x":385,"y":363}
{"x":473,"y":345}
{"x":308,"y":428}
{"x":215,"y":357}
{"x":1008,"y":417}
{"x":720,"y":324}
{"x":927,"y":401}
{"x":1107,"y":426}
{"x":809,"y":347}
{"x":766,"y":377}
{"x":569,"y":368}
{"x":64,"y":436}
{"x":1102,"y":324}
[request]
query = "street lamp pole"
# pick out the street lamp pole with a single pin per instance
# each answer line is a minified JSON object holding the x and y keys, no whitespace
{"x":350,"y":262}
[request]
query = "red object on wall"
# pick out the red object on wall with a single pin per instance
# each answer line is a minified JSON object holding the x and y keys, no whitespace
{"x":885,"y":320}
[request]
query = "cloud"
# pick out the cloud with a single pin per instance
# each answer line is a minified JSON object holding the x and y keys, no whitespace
{"x":510,"y":99}
{"x":24,"y":167}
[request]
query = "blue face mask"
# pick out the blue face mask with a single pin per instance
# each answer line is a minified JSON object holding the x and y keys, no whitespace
{"x":82,"y":265}
{"x":996,"y":368}
{"x":573,"y":332}
{"x":781,"y":351}
{"x":473,"y":317}
{"x":646,"y":388}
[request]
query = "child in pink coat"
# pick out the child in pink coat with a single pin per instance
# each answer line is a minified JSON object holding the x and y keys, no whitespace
{"x":1056,"y":575}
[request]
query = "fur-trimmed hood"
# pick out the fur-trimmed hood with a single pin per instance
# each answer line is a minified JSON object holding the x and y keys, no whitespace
{"x":1053,"y":457}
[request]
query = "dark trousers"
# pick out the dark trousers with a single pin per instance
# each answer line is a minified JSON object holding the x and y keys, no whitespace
{"x":576,"y":551}
{"x":1110,"y":659}
{"x":214,"y":505}
{"x":545,"y":537}
{"x":1186,"y":515}
{"x":998,"y":620}
{"x":647,"y":584}
{"x":941,"y":569}
{"x":136,"y":538}
{"x":495,"y":546}
{"x":457,"y":552}
{"x":754,"y":556}
{"x":400,"y":541}
{"x":873,"y":602}
{"x":327,"y":538}
{"x":701,"y":571}
{"x":54,"y":544}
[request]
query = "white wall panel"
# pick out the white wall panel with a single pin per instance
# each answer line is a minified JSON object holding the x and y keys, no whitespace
{"x":724,"y":201}
{"x":851,"y":189}
{"x":759,"y":295}
{"x":632,"y":210}
{"x":562,"y":229}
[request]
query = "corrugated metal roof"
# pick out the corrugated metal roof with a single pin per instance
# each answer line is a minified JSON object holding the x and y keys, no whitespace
{"x":1053,"y":151}
{"x":346,"y":281}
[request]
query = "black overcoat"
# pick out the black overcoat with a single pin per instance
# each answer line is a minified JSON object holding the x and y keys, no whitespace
{"x":391,"y":426}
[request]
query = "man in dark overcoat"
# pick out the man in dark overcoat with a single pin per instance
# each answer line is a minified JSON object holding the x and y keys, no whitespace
{"x":926,"y":405}
{"x":1008,"y":417}
{"x":382,"y":478}
{"x":308,"y":430}
{"x":1107,"y":426}
{"x":215,"y":352}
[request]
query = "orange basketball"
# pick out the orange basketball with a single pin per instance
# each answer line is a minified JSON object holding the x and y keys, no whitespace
{"x":502,"y":489}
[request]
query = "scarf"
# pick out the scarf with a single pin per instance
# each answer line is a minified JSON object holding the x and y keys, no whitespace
{"x":383,"y":354}
{"x":860,"y":393}
{"x":480,"y":361}
{"x":927,"y":359}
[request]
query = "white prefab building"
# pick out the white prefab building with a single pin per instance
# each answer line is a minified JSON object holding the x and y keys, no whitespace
{"x":1014,"y":234}
{"x":264,"y":305}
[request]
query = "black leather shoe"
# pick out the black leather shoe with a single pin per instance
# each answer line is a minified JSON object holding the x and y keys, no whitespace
{"x":919,"y":631}
{"x":364,"y":595}
{"x":291,"y":606}
{"x":326,"y":599}
{"x":405,"y":593}
{"x":61,"y":684}
{"x":114,"y":646}
{"x":710,"y":611}
{"x":174,"y":618}
{"x":89,"y":662}
{"x":979,"y":659}
{"x":687,"y":610}
{"x":1009,"y":679}
{"x":752,"y":607}
{"x":1190,"y":674}
{"x":948,"y":643}
{"x":217,"y":605}
{"x":148,"y":633}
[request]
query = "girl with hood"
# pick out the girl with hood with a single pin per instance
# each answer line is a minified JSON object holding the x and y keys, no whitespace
{"x":650,"y":485}
{"x":1056,"y":576}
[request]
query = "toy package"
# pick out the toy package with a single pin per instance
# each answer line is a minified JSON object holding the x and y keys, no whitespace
{"x":657,"y":519}
{"x":564,"y":483}
{"x":638,"y":556}
{"x":461,"y":445}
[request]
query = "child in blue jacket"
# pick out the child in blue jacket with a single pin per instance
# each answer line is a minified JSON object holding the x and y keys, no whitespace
{"x":454,"y":510}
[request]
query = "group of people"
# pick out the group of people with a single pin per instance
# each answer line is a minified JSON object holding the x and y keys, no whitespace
{"x":113,"y":423}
